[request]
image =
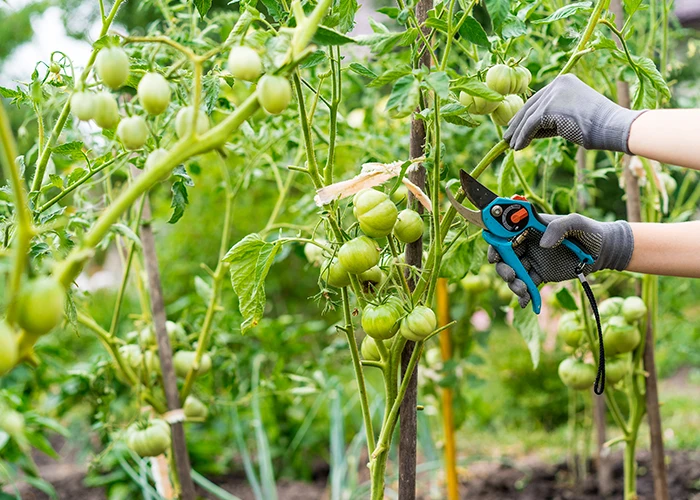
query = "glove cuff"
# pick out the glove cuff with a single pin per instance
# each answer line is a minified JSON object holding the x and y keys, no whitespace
{"x":618,"y":245}
{"x":614,"y":133}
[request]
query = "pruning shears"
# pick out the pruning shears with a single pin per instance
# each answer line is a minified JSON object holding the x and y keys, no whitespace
{"x":506,"y":222}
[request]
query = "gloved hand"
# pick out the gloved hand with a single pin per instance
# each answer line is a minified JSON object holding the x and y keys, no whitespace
{"x":546,"y":260}
{"x":569,"y":108}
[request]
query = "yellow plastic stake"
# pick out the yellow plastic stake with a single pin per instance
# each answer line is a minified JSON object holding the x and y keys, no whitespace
{"x":443,"y":304}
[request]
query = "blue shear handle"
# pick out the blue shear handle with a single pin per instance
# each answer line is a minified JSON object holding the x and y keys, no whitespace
{"x":580,"y":253}
{"x":505,"y":250}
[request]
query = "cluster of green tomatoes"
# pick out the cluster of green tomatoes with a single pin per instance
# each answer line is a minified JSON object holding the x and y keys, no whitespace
{"x":386,"y":313}
{"x":154,"y":95}
{"x":620,"y":320}
{"x":509,"y":80}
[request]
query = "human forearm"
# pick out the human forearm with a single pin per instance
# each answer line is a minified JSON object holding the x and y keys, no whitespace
{"x":667,"y":135}
{"x":666,"y":249}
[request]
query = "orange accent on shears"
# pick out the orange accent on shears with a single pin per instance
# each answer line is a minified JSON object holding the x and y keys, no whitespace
{"x":519,"y":215}
{"x":519,"y":197}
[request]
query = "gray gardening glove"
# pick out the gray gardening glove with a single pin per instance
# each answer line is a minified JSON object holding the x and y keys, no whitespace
{"x":610,"y":244}
{"x":569,"y":108}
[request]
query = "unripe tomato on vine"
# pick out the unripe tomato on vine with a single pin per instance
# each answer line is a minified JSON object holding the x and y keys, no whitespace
{"x":244,"y":63}
{"x":502,"y":78}
{"x":375,"y":212}
{"x":154,"y":93}
{"x":576,"y":374}
{"x":274,"y":93}
{"x":8,"y":348}
{"x":358,"y":255}
{"x":183,"y":121}
{"x":184,"y":361}
{"x":477,"y":105}
{"x":132,"y":132}
{"x":409,"y":226}
{"x":40,"y":305}
{"x":82,"y":105}
{"x":507,"y":109}
{"x":112,"y":66}
{"x":334,"y":274}
{"x":380,"y":322}
{"x":419,"y":323}
{"x":106,"y":114}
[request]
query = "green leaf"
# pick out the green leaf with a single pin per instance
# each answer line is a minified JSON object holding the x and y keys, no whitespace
{"x":72,"y":149}
{"x":179,"y":201}
{"x":438,"y":24}
{"x":56,"y":181}
{"x":313,"y":59}
{"x":274,"y":8}
{"x":362,"y":70}
{"x":328,"y":36}
{"x":506,"y":186}
{"x":392,"y":12}
{"x":566,"y":300}
{"x":346,"y":14}
{"x":475,"y":87}
{"x":466,"y":255}
{"x":390,"y":76}
{"x":128,"y":233}
{"x":473,"y":32}
{"x":498,"y":10}
{"x":631,"y":6}
{"x":564,"y":12}
{"x":525,"y":322}
{"x":203,"y":289}
{"x":17,"y":96}
{"x":382,"y":43}
{"x":250,"y":261}
{"x":106,"y":41}
{"x":203,"y":6}
{"x":440,"y":83}
{"x":463,"y":120}
{"x":513,"y":28}
{"x":210,"y":87}
{"x":75,"y":176}
{"x":648,"y":69}
{"x":404,"y":97}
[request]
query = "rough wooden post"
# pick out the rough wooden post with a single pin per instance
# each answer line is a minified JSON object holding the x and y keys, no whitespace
{"x":658,"y":465}
{"x":414,"y":257}
{"x":182,"y":459}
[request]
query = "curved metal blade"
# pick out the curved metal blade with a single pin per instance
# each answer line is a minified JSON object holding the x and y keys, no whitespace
{"x":471,"y":216}
{"x":477,"y":193}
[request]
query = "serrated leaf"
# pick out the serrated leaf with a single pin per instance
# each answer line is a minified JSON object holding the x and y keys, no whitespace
{"x":72,"y":149}
{"x":473,"y":32}
{"x":404,"y":96}
{"x":210,"y":88}
{"x":631,"y":6}
{"x":564,"y":12}
{"x":106,"y":41}
{"x":648,"y":68}
{"x":464,"y":120}
{"x":390,"y":76}
{"x":498,"y":11}
{"x":274,"y":8}
{"x":346,"y":15}
{"x":251,"y":259}
{"x":179,"y":202}
{"x":75,"y":176}
{"x":313,"y":59}
{"x":392,"y":12}
{"x":56,"y":181}
{"x":475,"y":87}
{"x":566,"y":300}
{"x":506,"y":186}
{"x":362,"y":70}
{"x":440,"y":83}
{"x":382,"y":43}
{"x":328,"y":36}
{"x":525,"y":322}
{"x":203,"y":6}
{"x":466,"y":255}
{"x":512,"y":28}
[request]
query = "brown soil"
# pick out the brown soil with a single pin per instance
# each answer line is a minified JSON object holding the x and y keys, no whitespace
{"x":522,"y":480}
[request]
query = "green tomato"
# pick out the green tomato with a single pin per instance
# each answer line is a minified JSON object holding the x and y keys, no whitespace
{"x":570,"y":331}
{"x":274,"y":93}
{"x":11,"y":421}
{"x":616,"y":368}
{"x":195,"y":409}
{"x":375,"y":212}
{"x":154,"y":158}
{"x":373,"y":275}
{"x":369,"y":349}
{"x":380,"y":322}
{"x":9,"y":351}
{"x":154,"y":93}
{"x":409,"y":226}
{"x":477,"y":105}
{"x":112,"y":67}
{"x":523,"y":79}
{"x":334,"y":274}
{"x":400,"y":194}
{"x":419,"y":323}
{"x":54,"y":68}
{"x":132,"y":132}
{"x":619,"y":337}
{"x":577,"y":374}
{"x":358,"y":255}
{"x":147,"y":336}
{"x":244,"y":63}
{"x":40,"y":306}
{"x":633,"y":309}
{"x":82,"y":105}
{"x":132,"y":355}
{"x":184,"y":361}
{"x":502,"y":78}
{"x":152,"y":441}
{"x":610,"y":307}
{"x":315,"y":254}
{"x":507,"y":109}
{"x":475,"y":283}
{"x":183,"y":121}
{"x":106,"y":113}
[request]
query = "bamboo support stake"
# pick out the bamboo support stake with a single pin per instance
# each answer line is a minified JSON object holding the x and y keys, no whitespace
{"x":443,"y":305}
